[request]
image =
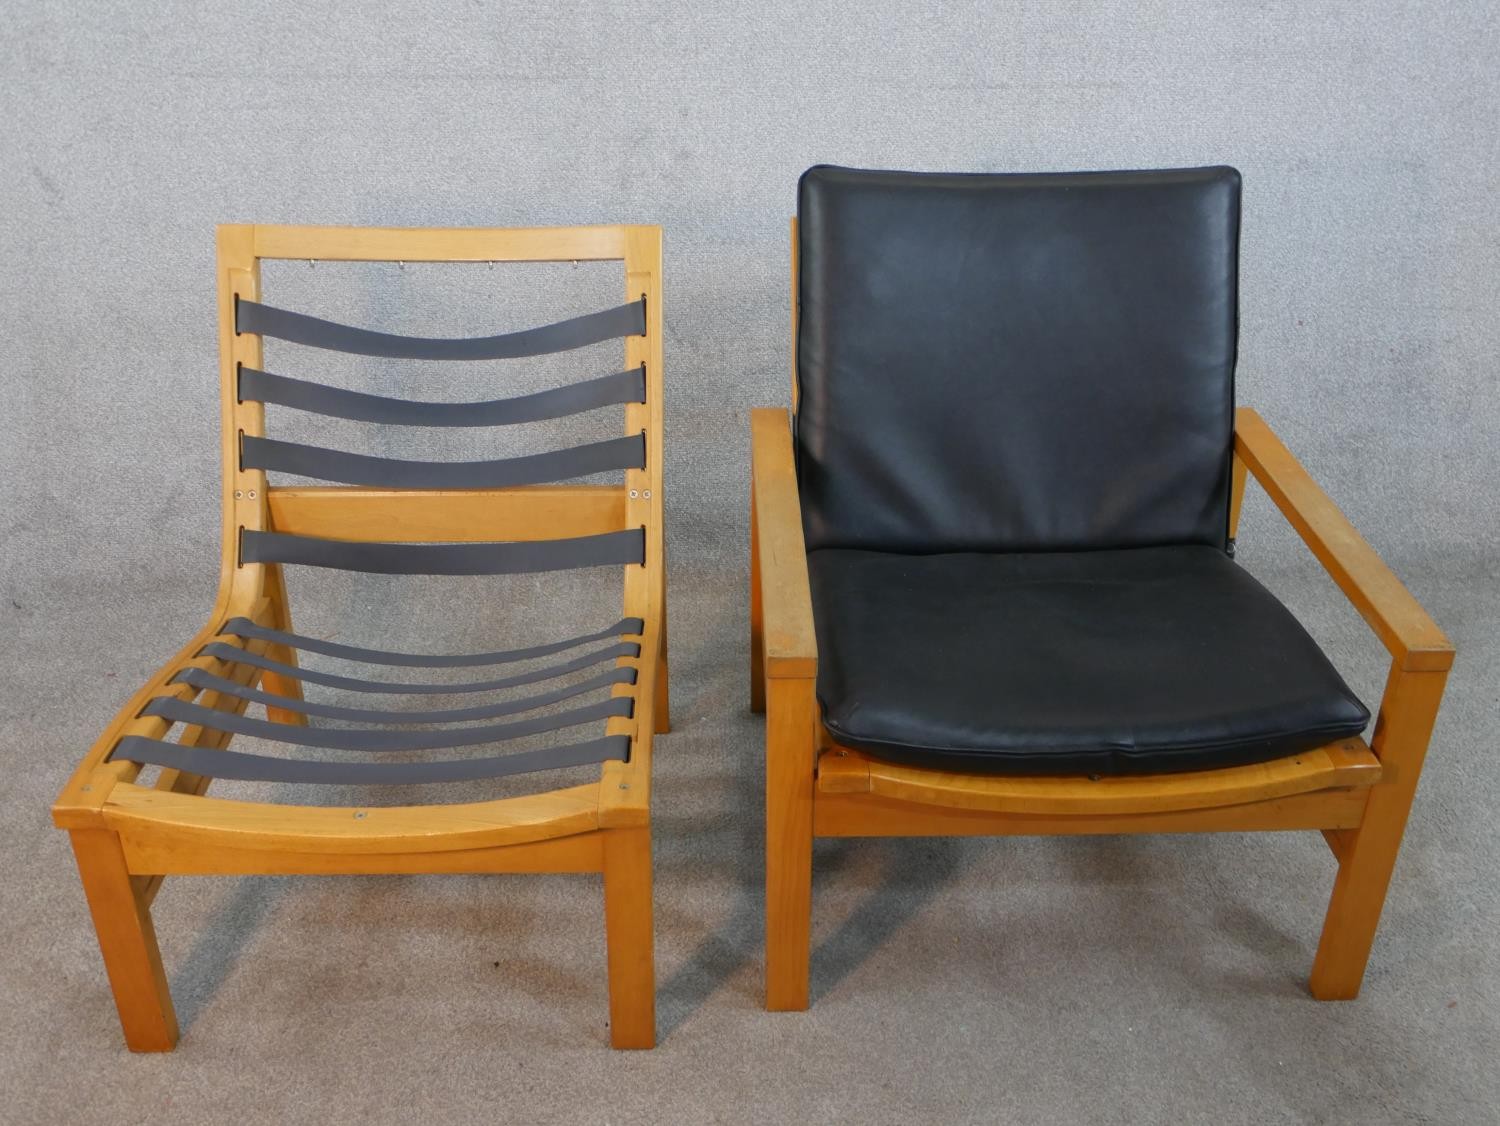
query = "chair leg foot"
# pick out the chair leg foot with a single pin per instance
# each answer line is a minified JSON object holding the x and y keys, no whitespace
{"x":628,"y":934}
{"x":789,"y":836}
{"x":788,"y":935}
{"x":127,"y":940}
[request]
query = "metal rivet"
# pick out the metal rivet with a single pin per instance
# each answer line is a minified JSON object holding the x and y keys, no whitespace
{"x":311,"y":262}
{"x":359,"y":815}
{"x":400,"y":264}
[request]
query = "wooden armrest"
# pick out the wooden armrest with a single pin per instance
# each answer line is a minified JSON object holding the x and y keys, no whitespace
{"x":1405,"y":629}
{"x":791,"y":649}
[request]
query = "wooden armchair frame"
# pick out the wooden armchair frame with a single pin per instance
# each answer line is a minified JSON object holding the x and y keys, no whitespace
{"x":1357,"y":795}
{"x":128,"y":837}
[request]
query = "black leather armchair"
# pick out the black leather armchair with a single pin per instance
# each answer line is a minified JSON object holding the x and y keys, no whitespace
{"x":993,"y":589}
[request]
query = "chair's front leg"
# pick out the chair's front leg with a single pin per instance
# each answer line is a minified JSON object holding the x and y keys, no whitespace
{"x":791,"y":718}
{"x":628,"y":935}
{"x":1407,"y":713}
{"x":122,"y":921}
{"x":757,"y":620}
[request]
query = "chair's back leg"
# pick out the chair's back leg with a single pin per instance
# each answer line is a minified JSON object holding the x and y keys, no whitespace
{"x":127,"y":940}
{"x":757,"y":628}
{"x":281,"y":618}
{"x":662,"y":706}
{"x":1407,"y":713}
{"x":628,"y":935}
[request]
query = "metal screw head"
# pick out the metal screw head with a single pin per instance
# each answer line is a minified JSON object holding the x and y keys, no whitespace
{"x":633,"y":494}
{"x":647,"y":494}
{"x":252,"y":494}
{"x":624,"y":785}
{"x":359,"y":815}
{"x":238,"y":494}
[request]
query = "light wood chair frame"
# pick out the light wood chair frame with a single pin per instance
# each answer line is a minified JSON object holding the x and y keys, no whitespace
{"x":128,"y":837}
{"x":1358,"y":795}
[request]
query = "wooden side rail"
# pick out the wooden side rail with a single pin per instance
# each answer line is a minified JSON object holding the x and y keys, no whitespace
{"x":624,"y":796}
{"x":188,"y":822}
{"x":1347,"y":763}
{"x":77,"y":807}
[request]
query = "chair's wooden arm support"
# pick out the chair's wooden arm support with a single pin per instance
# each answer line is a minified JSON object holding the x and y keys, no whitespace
{"x":1412,"y":637}
{"x":791,"y":650}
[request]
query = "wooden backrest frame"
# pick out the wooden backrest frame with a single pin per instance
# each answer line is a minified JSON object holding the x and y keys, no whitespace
{"x":522,"y":513}
{"x":525,"y":513}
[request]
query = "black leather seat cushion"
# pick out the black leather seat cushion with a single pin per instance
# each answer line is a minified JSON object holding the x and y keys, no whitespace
{"x":1016,"y":362}
{"x":1138,"y":660}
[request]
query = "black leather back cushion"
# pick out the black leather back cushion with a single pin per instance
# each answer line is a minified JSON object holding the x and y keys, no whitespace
{"x":1016,"y":362}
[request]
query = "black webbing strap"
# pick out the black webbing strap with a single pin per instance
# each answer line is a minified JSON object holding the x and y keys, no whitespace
{"x":235,"y":655}
{"x":380,"y":739}
{"x":208,"y":682}
{"x":244,"y":627}
{"x":241,"y":767}
{"x":335,"y":402}
{"x":628,"y":546}
{"x":563,"y":336}
{"x":627,"y":452}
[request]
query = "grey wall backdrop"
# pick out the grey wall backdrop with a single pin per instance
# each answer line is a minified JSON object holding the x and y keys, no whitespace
{"x":1100,"y":981}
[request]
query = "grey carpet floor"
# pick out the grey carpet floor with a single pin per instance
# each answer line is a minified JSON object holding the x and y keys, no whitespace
{"x":1147,"y":979}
